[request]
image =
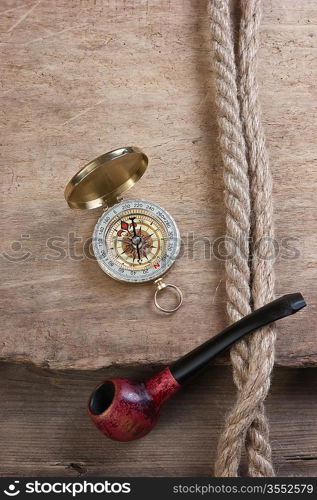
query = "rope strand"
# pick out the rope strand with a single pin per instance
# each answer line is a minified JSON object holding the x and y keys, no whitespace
{"x":248,"y":188}
{"x":261,"y":344}
{"x":237,"y":201}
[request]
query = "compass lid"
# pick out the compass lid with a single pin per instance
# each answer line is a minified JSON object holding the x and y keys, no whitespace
{"x":102,"y":180}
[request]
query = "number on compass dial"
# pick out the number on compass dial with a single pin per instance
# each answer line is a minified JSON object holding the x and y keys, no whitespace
{"x":136,"y":244}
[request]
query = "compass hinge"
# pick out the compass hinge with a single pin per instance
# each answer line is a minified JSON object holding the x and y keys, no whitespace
{"x":110,"y":202}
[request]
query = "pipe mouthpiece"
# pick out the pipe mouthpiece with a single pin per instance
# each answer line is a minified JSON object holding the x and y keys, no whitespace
{"x":296,"y":301}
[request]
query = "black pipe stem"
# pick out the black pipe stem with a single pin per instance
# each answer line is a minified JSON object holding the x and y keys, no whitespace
{"x":195,"y":361}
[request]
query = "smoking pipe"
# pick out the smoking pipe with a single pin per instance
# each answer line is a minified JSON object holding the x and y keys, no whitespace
{"x":125,"y":409}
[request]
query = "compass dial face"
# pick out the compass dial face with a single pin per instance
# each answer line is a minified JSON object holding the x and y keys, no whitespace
{"x":136,"y":241}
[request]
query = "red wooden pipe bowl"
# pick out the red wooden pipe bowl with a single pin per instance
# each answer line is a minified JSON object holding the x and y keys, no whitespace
{"x":125,"y":409}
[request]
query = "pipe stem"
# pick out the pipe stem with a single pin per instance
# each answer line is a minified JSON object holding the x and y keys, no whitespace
{"x":192,"y":363}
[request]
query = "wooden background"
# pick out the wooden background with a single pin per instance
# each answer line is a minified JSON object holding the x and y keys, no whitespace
{"x":79,"y":78}
{"x":83,"y":77}
{"x":45,"y":430}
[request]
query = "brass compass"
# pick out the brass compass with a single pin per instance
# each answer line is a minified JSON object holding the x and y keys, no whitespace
{"x":134,"y":241}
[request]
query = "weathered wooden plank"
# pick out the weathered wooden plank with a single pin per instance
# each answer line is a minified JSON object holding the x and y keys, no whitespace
{"x":80,"y":80}
{"x":45,"y":429}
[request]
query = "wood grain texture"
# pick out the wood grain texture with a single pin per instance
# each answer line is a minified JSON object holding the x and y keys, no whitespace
{"x":82,"y":78}
{"x":45,"y":429}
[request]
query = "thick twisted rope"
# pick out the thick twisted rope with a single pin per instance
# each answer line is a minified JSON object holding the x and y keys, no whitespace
{"x":250,"y":278}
